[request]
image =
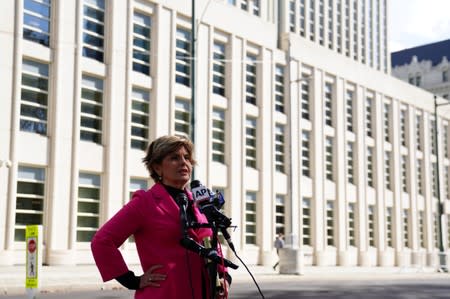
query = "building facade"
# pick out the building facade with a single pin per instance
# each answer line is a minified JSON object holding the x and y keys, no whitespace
{"x":297,"y":121}
{"x":426,"y":66}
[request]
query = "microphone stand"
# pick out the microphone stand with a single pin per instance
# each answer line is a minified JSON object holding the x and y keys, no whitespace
{"x":209,"y":253}
{"x":212,"y":267}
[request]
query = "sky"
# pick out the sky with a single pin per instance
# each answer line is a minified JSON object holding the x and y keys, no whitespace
{"x":417,"y":22}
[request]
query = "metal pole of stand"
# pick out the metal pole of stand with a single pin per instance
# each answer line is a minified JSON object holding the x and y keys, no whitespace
{"x":212,"y":267}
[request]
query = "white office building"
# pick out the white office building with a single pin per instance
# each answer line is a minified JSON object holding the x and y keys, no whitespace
{"x":297,"y":121}
{"x":426,"y":66}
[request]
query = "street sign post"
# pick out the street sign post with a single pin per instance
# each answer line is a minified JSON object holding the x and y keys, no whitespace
{"x":33,"y":235}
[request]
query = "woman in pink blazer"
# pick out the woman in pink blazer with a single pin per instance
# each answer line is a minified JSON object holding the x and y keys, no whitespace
{"x":153,"y":218}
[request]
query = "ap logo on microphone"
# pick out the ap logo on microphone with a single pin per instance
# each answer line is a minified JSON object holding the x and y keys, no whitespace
{"x":201,"y":193}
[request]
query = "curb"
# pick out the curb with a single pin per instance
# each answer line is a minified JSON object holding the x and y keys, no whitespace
{"x":86,"y":277}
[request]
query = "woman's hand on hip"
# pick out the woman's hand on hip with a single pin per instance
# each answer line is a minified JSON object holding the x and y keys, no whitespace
{"x":152,"y":278}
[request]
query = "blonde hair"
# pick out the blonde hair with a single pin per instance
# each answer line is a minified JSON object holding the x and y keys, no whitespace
{"x":163,"y":146}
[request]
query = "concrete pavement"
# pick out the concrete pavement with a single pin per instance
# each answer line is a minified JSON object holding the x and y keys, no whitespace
{"x":87,"y":277}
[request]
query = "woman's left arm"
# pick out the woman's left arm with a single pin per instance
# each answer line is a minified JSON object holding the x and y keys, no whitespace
{"x":107,"y":240}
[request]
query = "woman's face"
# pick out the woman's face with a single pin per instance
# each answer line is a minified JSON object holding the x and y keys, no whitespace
{"x":175,"y":169}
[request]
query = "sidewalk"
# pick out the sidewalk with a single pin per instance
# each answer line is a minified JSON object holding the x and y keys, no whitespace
{"x":87,"y":277}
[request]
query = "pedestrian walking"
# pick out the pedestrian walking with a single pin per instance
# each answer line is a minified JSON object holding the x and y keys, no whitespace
{"x":278,"y":243}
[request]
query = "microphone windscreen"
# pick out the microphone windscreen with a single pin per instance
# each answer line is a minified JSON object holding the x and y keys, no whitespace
{"x":200,"y":193}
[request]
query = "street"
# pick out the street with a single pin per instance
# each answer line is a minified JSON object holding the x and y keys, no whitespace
{"x":438,"y":287}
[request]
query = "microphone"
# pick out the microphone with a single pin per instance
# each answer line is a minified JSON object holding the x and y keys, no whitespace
{"x":200,"y":193}
{"x":210,"y":254}
{"x":207,"y":202}
{"x":192,"y":245}
{"x":182,"y":203}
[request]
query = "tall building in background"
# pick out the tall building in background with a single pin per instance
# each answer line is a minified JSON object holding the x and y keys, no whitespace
{"x":425,"y":66}
{"x":298,"y":122}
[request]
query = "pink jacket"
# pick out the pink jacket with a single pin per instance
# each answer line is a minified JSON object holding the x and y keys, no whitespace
{"x":153,"y":218}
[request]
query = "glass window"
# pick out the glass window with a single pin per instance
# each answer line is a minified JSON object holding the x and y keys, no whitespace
{"x":302,"y":21}
{"x":218,"y":84}
{"x":421,"y":227}
{"x":141,"y":43}
{"x":218,"y":135}
{"x":93,"y":29}
{"x":279,"y":148}
{"x":419,"y":177}
{"x":183,"y":57}
{"x":321,"y":22}
{"x":405,"y":227}
{"x":91,"y":109}
{"x":182,"y":117}
{"x":140,"y":116}
{"x":436,"y":230}
{"x":279,"y":88}
{"x":30,"y":199}
{"x":36,"y":21}
{"x":305,"y":109}
{"x":404,"y":172}
{"x":387,"y":170}
{"x":312,"y":20}
{"x":349,"y":110}
{"x":350,"y":163}
{"x":34,"y":97}
{"x":434,"y":175}
{"x":306,"y":168}
{"x":279,"y":214}
{"x":244,"y":5}
{"x":292,"y":14}
{"x":386,"y":116}
{"x":445,"y":76}
{"x":328,"y":102}
{"x":306,"y":221}
{"x":256,"y":7}
{"x":371,"y":224}
{"x":418,"y":80}
{"x":445,"y":139}
{"x":369,"y":116}
{"x":330,"y":223}
{"x":432,"y":135}
{"x":351,"y":225}
{"x":250,"y":218}
{"x":250,"y":142}
{"x":88,"y":207}
{"x":330,"y":24}
{"x":403,"y":116}
{"x":250,"y":80}
{"x":329,"y":158}
{"x":370,"y":166}
{"x":389,"y":227}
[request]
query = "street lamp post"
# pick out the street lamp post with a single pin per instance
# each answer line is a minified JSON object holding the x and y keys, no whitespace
{"x":442,"y":254}
{"x":291,"y":256}
{"x":193,"y":75}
